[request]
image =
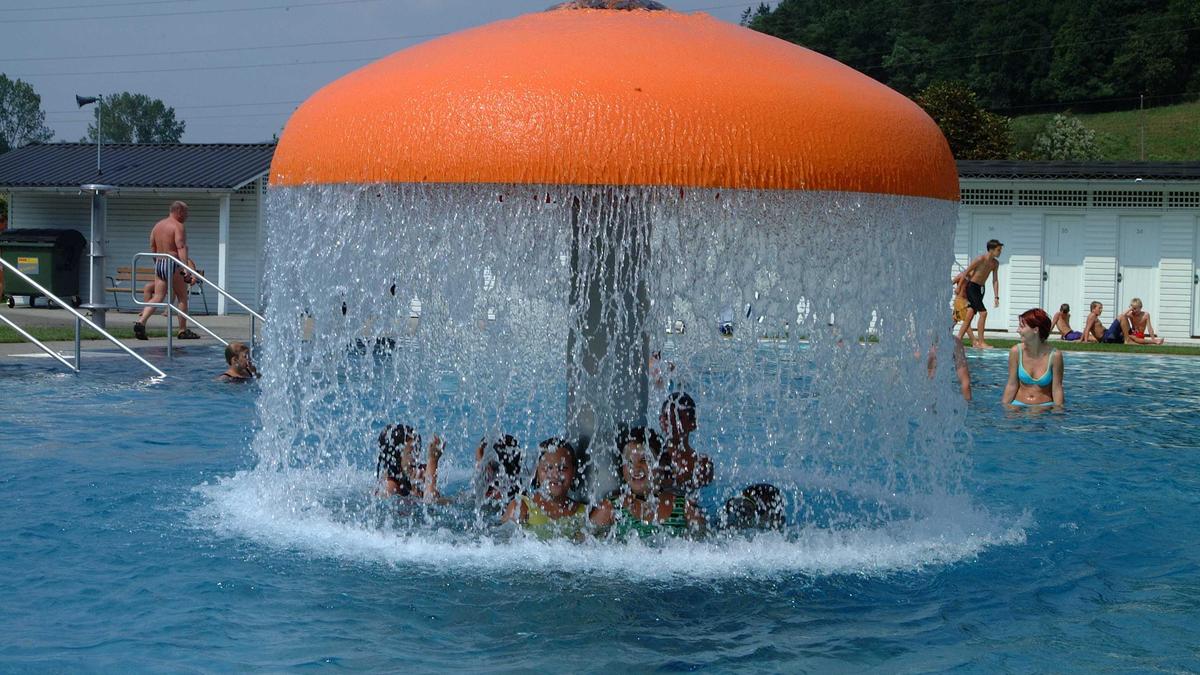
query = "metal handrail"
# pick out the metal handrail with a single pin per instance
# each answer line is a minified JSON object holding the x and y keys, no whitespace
{"x":201,"y":277}
{"x":42,"y":345}
{"x":78,"y":319}
{"x":171,"y":309}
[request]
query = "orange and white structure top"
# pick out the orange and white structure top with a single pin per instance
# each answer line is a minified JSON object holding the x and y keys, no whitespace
{"x":623,"y":97}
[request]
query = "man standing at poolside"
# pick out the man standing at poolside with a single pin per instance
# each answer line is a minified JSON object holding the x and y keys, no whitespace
{"x":976,"y":276}
{"x":169,"y":236}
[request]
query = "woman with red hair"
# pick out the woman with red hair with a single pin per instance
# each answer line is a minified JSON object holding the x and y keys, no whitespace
{"x":1032,"y":355}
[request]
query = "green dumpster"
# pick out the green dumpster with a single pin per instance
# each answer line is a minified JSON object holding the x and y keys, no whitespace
{"x":48,"y":256}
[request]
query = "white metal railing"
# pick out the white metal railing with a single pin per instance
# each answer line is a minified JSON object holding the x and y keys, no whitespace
{"x":172,"y":263}
{"x":79,"y":319}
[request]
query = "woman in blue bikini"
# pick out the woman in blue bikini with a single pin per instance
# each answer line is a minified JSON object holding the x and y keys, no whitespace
{"x":1035,"y":369}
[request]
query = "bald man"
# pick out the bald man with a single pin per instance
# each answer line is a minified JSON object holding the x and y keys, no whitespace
{"x":169,"y":236}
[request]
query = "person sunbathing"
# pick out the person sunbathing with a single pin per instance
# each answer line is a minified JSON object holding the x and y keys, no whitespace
{"x":1137,"y":326}
{"x":1062,"y":323}
{"x":1093,"y":328}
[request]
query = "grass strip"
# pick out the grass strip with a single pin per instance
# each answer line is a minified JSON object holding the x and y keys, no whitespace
{"x":66,"y":334}
{"x":1169,"y":349}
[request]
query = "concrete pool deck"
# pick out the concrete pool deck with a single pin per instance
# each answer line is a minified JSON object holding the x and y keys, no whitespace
{"x":230,"y":327}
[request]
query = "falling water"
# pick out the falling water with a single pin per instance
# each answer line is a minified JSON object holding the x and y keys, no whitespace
{"x":473,"y":311}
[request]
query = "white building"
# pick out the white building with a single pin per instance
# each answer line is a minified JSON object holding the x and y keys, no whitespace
{"x":223,"y":185}
{"x":1078,"y":232}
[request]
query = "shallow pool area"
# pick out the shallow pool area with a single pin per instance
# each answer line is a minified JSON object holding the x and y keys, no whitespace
{"x":137,"y":535}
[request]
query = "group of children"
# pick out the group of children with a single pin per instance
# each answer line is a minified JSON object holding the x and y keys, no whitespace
{"x":658,"y":478}
{"x":1131,"y":327}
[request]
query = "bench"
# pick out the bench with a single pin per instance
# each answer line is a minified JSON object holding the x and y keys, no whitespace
{"x":123,"y":283}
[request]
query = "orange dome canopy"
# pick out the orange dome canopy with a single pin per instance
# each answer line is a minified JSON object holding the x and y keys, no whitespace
{"x":608,"y":97}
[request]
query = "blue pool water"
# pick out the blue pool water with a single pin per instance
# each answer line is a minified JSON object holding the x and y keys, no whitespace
{"x":126,"y":542}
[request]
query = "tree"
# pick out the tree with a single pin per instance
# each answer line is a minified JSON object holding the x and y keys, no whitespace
{"x":751,"y":13}
{"x":1014,"y":54}
{"x":973,"y":133}
{"x":136,"y":118}
{"x":1066,"y":138}
{"x":22,"y":120}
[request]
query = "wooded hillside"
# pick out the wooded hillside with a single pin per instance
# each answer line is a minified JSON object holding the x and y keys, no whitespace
{"x":1017,"y":55}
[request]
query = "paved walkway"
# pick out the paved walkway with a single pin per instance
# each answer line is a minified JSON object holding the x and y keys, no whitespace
{"x":231,"y":327}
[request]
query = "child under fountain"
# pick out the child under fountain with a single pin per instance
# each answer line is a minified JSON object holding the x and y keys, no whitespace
{"x":647,"y":505}
{"x":550,"y":512}
{"x":398,"y":470}
{"x":498,"y":472}
{"x":690,"y":470}
{"x":758,"y":507}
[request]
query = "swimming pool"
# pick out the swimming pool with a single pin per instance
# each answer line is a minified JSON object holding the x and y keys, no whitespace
{"x":127,"y":544}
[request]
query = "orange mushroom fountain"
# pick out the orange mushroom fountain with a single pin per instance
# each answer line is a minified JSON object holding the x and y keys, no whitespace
{"x":575,"y":180}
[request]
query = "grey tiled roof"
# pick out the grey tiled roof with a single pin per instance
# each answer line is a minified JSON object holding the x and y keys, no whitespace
{"x":1041,"y":170}
{"x":177,"y":165}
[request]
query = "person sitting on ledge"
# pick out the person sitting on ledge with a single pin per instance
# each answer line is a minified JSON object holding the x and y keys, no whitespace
{"x":646,"y":506}
{"x":1093,"y":328}
{"x":690,"y":470}
{"x":550,"y":512}
{"x":1062,"y":323}
{"x":241,"y":366}
{"x":397,"y":468}
{"x":1137,"y":326}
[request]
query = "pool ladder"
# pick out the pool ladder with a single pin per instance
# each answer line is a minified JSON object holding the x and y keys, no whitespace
{"x":172,"y":263}
{"x":80,"y":320}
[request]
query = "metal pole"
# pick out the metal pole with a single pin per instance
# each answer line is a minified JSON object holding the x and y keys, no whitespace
{"x":77,"y":343}
{"x":607,"y":384}
{"x":252,"y":326}
{"x":96,"y":251}
{"x":170,"y":315}
{"x":99,"y":131}
{"x":1142,"y":125}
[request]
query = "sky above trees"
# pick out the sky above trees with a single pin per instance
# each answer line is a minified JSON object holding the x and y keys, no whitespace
{"x":233,"y":70}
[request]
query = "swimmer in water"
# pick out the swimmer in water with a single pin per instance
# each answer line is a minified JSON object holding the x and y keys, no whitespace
{"x":646,"y":506}
{"x":1033,"y":355}
{"x":498,"y":472}
{"x":398,"y":470}
{"x":690,"y":470}
{"x":758,"y":507}
{"x":548,"y":512}
{"x":241,"y":366}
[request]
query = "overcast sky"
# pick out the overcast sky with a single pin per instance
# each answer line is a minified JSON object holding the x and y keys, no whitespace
{"x":232,"y":69}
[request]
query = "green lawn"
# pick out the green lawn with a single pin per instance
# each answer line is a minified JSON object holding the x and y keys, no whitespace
{"x":1172,"y":132}
{"x":67,"y":334}
{"x":1175,"y":350}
